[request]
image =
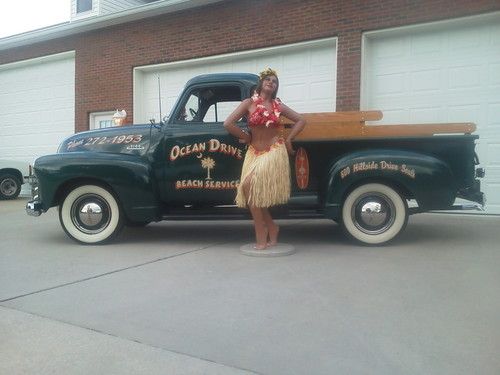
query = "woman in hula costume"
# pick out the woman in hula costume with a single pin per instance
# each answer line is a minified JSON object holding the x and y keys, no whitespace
{"x":265,"y":176}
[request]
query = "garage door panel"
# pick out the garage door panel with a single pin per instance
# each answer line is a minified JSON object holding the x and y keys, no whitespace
{"x":465,"y":76}
{"x":491,"y":152}
{"x":295,"y":63}
{"x":493,"y":117}
{"x":490,"y":189}
{"x":274,"y":61}
{"x":41,"y":111}
{"x":428,"y":80}
{"x":393,"y":48}
{"x":468,"y":38}
{"x":244,"y":66}
{"x":318,"y":90}
{"x":464,"y":113}
{"x":389,"y":84}
{"x":426,"y":114}
{"x":446,"y":72}
{"x":494,"y":74}
{"x":321,"y":60}
{"x":39,"y":75}
{"x":31,"y":145}
{"x":293,"y":92}
{"x":36,"y":106}
{"x":425,"y":45}
{"x":43,"y":106}
{"x":38,"y":128}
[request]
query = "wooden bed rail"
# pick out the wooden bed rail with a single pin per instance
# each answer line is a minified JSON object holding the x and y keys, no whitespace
{"x":342,"y":125}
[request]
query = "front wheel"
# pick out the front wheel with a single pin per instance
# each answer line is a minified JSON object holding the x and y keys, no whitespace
{"x":374,"y":214}
{"x":90,"y":214}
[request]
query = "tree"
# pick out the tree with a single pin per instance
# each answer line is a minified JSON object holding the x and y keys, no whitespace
{"x":208,"y":164}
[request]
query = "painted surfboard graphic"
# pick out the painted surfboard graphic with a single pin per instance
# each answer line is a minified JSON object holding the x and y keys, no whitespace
{"x":302,"y":168}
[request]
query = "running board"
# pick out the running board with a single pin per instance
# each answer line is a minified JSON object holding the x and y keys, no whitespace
{"x":238,"y":214}
{"x":463,"y":207}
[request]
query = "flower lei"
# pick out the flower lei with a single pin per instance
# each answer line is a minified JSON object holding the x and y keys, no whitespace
{"x":261,"y":115}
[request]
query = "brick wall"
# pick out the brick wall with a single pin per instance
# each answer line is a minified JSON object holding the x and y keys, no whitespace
{"x":105,"y":58}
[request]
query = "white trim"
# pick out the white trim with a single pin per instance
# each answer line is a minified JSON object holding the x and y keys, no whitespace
{"x":139,"y":71}
{"x":481,"y":18}
{"x":137,"y":87}
{"x":96,"y":22}
{"x":38,"y":60}
{"x":362,"y":74}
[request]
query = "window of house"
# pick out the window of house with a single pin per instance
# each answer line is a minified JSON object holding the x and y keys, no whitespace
{"x":100,"y":120}
{"x":83,"y":6}
{"x":210,"y":104}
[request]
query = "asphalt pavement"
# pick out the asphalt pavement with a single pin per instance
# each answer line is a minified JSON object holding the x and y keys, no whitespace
{"x":179,"y":298}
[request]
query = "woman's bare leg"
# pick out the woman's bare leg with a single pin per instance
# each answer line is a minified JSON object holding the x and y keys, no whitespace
{"x":272,"y":228}
{"x":257,"y":216}
{"x":260,"y":228}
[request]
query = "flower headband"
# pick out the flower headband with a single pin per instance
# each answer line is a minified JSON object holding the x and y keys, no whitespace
{"x":267,"y":72}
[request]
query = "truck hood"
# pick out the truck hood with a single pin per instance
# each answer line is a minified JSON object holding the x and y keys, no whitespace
{"x":133,"y":140}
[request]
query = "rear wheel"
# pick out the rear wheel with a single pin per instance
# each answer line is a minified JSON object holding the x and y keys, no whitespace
{"x":374,"y":214}
{"x":10,"y":186}
{"x":90,"y":214}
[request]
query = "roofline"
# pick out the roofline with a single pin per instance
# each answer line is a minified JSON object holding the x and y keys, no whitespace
{"x":92,"y":23}
{"x":223,"y":77}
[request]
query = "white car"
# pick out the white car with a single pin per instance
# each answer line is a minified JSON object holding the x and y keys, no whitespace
{"x":12,"y":175}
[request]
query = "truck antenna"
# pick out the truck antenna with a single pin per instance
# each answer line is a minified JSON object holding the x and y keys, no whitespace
{"x":159,"y":99}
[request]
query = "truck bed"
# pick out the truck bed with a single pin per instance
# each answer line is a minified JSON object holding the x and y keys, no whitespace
{"x":352,"y":125}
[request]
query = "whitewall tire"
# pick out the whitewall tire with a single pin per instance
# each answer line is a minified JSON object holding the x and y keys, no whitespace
{"x":90,"y":214}
{"x":374,"y":213}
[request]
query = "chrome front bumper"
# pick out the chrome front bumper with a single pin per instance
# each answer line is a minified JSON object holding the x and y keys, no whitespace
{"x":34,"y":208}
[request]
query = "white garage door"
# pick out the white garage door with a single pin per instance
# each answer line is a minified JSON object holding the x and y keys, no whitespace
{"x":307,"y":73}
{"x":37,"y":106}
{"x":444,"y":72}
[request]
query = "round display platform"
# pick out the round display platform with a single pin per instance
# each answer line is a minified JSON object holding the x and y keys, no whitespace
{"x":278,"y":250}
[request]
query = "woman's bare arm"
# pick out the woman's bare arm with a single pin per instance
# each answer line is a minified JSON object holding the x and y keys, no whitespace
{"x":299,"y":124}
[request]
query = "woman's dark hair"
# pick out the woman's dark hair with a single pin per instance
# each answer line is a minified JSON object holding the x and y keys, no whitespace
{"x":261,"y":82}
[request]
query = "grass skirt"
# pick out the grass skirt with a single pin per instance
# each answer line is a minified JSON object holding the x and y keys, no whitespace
{"x":269,"y":172}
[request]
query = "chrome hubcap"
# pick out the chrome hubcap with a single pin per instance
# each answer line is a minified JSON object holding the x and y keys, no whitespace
{"x":373,"y":213}
{"x":90,"y":213}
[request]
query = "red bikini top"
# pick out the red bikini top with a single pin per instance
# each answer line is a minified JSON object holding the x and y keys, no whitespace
{"x":262,"y":116}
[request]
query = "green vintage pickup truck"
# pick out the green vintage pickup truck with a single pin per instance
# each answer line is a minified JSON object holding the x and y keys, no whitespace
{"x":187,"y":168}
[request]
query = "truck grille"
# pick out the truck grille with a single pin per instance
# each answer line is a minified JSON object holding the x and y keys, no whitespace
{"x":35,"y":188}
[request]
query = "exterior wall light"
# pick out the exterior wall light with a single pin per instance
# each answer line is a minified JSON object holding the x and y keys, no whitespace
{"x":119,"y":117}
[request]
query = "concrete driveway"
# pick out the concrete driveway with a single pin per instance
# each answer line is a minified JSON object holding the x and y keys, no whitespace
{"x":179,"y":298}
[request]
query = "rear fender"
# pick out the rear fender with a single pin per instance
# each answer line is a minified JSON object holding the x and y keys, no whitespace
{"x":425,"y":178}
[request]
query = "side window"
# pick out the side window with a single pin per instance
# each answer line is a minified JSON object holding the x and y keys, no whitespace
{"x":192,"y":108}
{"x":218,"y":112}
{"x":210,"y":104}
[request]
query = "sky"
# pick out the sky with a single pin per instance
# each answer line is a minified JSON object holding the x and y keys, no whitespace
{"x":18,"y":16}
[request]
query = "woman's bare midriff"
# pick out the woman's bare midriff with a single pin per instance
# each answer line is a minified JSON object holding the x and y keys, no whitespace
{"x":263,"y":138}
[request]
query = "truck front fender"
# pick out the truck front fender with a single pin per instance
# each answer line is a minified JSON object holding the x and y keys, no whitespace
{"x":422,"y":177}
{"x":129,"y":177}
